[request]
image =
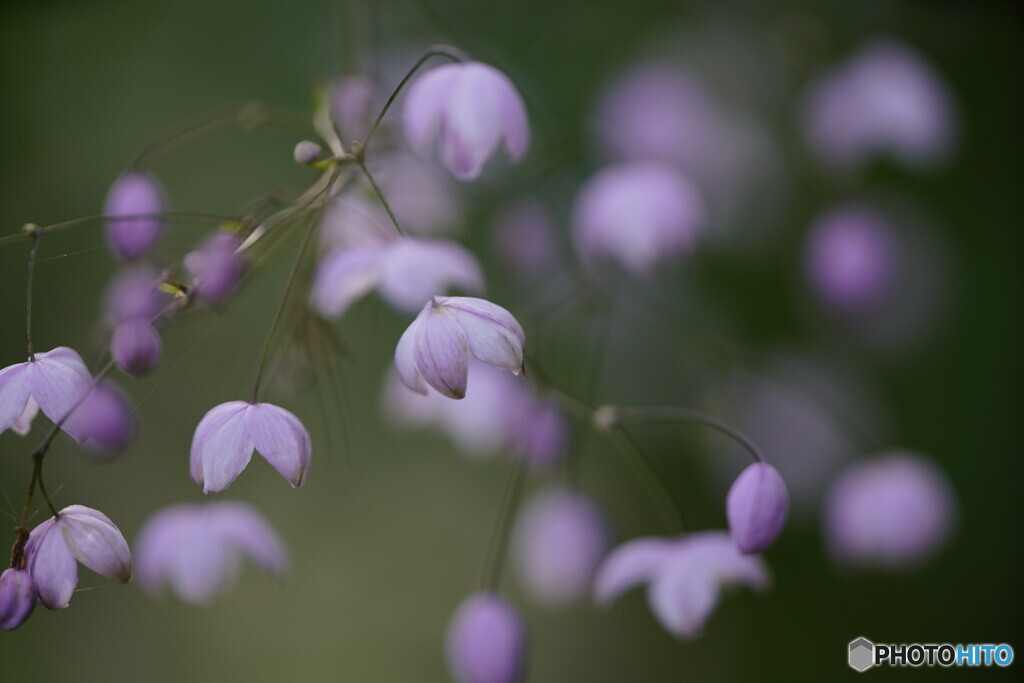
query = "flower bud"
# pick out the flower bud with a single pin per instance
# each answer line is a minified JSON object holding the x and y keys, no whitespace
{"x":109,"y":421}
{"x":17,"y":598}
{"x":133,"y":194}
{"x":216,"y":267}
{"x":486,"y":641}
{"x":757,"y":506}
{"x":306,"y":152}
{"x":136,"y":347}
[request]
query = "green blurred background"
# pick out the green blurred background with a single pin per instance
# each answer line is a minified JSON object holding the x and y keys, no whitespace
{"x":385,"y":546}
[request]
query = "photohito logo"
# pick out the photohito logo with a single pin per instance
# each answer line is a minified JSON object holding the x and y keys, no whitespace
{"x":863,"y":654}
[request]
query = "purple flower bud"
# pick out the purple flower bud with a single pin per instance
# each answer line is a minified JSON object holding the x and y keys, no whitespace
{"x":55,"y":380}
{"x":639,"y":214}
{"x":135,"y":193}
{"x":306,"y":152}
{"x":560,"y":538}
{"x":435,"y":350}
{"x":136,"y":347}
{"x":486,"y":641}
{"x":892,"y":512}
{"x":757,"y":506}
{"x":216,"y":266}
{"x":196,"y":550}
{"x":465,"y":110}
{"x":109,"y":419}
{"x":133,"y":293}
{"x":17,"y":598}
{"x":227,"y":435}
{"x":405,"y":272}
{"x":76,"y":533}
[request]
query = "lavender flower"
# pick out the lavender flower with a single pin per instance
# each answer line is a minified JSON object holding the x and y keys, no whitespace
{"x":892,"y":512}
{"x":227,"y":435}
{"x":109,"y":419}
{"x":884,"y":100}
{"x":196,"y":550}
{"x":486,"y":641}
{"x":757,"y":506}
{"x":76,"y":533}
{"x":132,"y":293}
{"x":561,"y":536}
{"x":465,"y":110}
{"x":405,"y":272}
{"x":136,"y":347}
{"x":216,"y":266}
{"x":55,"y":380}
{"x":435,"y":350}
{"x":17,"y":598}
{"x":639,"y":214}
{"x":132,"y":194}
{"x":685,"y":576}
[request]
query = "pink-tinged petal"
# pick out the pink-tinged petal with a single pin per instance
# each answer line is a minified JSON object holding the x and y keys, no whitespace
{"x":413,"y":270}
{"x":683,"y":594}
{"x":67,"y":357}
{"x":494,"y":335}
{"x":17,"y":598}
{"x":58,"y":380}
{"x":405,"y":362}
{"x":15,"y":391}
{"x":486,"y":641}
{"x":135,"y":193}
{"x":344,"y":277}
{"x":757,"y":506}
{"x":425,"y":105}
{"x":136,"y":347}
{"x":281,"y":439}
{"x":53,"y":568}
{"x":202,"y":565}
{"x":96,"y":542}
{"x":629,"y":565}
{"x":515,"y":126}
{"x":23,"y":424}
{"x":158,"y":542}
{"x":471,"y":126}
{"x":724,"y":561}
{"x":245,"y":530}
{"x":221,"y":446}
{"x":441,"y":352}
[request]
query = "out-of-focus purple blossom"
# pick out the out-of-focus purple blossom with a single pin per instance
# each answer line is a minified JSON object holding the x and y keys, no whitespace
{"x":406,"y":273}
{"x":109,"y":418}
{"x":638,"y":214}
{"x":466,"y":111}
{"x":76,"y":533}
{"x":435,"y":350}
{"x":133,"y":292}
{"x":850,"y":258}
{"x":487,"y":641}
{"x":306,"y":152}
{"x":136,"y":347}
{"x":354,"y":219}
{"x":525,"y":238}
{"x":757,"y":506}
{"x":685,"y":576}
{"x":352,"y":102}
{"x":17,"y":598}
{"x":895,"y":511}
{"x":561,"y":536}
{"x":196,"y":549}
{"x":135,"y":193}
{"x":215,"y":267}
{"x":55,"y":380}
{"x":227,"y":435}
{"x":883,"y":100}
{"x":540,"y":431}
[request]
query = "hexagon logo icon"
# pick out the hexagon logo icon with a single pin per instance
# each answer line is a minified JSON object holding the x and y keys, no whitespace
{"x":862,"y":654}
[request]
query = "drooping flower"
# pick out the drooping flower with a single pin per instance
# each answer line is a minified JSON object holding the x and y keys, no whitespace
{"x":196,"y":549}
{"x":215,"y":267}
{"x":17,"y":598}
{"x":435,"y":350}
{"x":560,"y":538}
{"x":895,"y":511}
{"x":487,"y":641}
{"x":136,"y":347}
{"x":132,"y":293}
{"x":136,"y":193}
{"x":883,"y":100}
{"x":685,"y":576}
{"x":757,"y":506}
{"x":109,"y":419}
{"x":638,"y":214}
{"x":55,"y":380}
{"x":466,"y":111}
{"x":227,"y":435}
{"x":76,"y":533}
{"x":406,"y":273}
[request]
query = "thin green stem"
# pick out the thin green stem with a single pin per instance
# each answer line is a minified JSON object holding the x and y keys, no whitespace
{"x":645,"y":471}
{"x":30,"y":271}
{"x":42,"y":490}
{"x":672,"y":414}
{"x":503,"y":525}
{"x":381,"y":197}
{"x":205,"y":218}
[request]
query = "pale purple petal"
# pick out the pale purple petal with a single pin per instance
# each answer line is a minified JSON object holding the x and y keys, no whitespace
{"x":281,"y":439}
{"x":757,"y":506}
{"x":486,"y":641}
{"x":425,"y":105}
{"x":629,"y":565}
{"x":405,"y":361}
{"x":202,"y":565}
{"x":494,"y":335}
{"x":245,"y":530}
{"x":15,"y":393}
{"x":683,"y":594}
{"x":17,"y":598}
{"x":53,"y":568}
{"x":96,"y":542}
{"x":58,"y":379}
{"x":136,"y":347}
{"x":515,"y":126}
{"x":221,"y":446}
{"x":134,"y":193}
{"x":345,"y":276}
{"x":23,"y":424}
{"x":133,"y":293}
{"x":413,"y":270}
{"x":109,"y":418}
{"x":471,"y":126}
{"x":441,"y":352}
{"x":216,"y":266}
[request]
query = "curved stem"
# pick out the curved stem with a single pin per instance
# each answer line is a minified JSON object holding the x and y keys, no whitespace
{"x":28,"y":292}
{"x":645,"y":471}
{"x":499,"y":539}
{"x":381,"y":197}
{"x":672,"y":414}
{"x":448,"y":51}
{"x":207,"y":218}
